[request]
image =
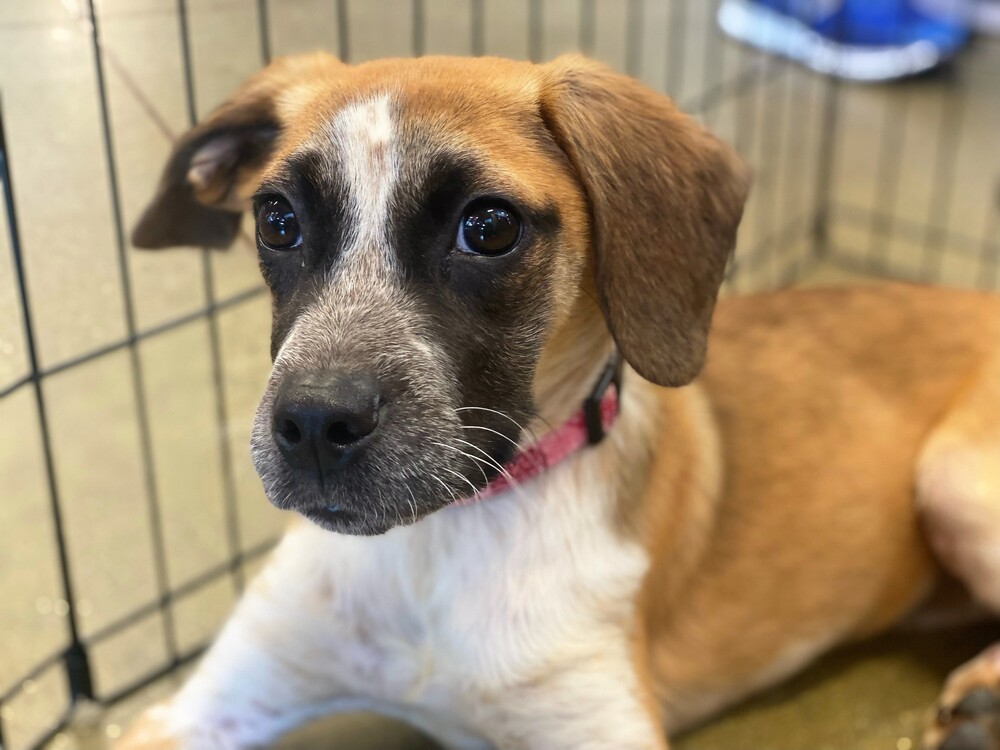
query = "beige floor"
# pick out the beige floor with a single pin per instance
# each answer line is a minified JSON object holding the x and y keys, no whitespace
{"x":937,"y":136}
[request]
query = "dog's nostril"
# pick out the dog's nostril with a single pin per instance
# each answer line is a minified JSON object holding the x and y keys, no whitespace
{"x":290,"y":431}
{"x":340,"y":434}
{"x":321,"y":419}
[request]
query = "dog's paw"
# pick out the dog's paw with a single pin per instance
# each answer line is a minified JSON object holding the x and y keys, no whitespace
{"x":968,"y":712}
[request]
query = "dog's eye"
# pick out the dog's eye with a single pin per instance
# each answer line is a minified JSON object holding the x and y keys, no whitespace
{"x":489,"y":229}
{"x":277,"y":226}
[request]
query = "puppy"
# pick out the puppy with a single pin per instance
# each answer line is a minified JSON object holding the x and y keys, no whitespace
{"x":531,"y":524}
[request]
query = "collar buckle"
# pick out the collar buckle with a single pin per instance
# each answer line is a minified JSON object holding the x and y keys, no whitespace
{"x":612,"y":373}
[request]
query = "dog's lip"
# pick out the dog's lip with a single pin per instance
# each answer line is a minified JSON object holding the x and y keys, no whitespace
{"x":329,"y":515}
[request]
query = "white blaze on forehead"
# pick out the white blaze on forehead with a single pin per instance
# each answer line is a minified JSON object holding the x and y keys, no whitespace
{"x":364,"y":136}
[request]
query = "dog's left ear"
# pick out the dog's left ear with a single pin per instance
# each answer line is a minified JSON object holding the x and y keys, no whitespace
{"x":205,"y":185}
{"x":666,"y":197}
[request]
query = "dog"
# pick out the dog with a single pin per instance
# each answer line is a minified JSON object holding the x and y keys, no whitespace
{"x":535,"y":517}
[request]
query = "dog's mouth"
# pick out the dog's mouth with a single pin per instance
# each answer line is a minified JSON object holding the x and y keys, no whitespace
{"x":332,"y":517}
{"x":418,"y":463}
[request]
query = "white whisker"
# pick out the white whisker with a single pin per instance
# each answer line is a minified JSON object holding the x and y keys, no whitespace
{"x":467,"y":455}
{"x":506,"y":416}
{"x":413,"y":503}
{"x":489,"y":460}
{"x":489,"y":429}
{"x":447,"y":489}
{"x":463,"y":478}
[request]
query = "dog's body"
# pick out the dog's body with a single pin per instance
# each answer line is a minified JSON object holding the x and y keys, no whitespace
{"x":830,"y":470}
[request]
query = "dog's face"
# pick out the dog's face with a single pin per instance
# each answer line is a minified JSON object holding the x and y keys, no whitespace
{"x":428,"y":229}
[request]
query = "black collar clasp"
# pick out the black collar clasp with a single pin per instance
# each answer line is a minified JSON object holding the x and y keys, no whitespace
{"x":612,"y":373}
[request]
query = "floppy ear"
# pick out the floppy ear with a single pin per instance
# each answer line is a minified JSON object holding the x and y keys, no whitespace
{"x":211,"y":172}
{"x":666,"y":197}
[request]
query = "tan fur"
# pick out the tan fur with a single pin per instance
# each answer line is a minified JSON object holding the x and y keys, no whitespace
{"x":823,"y":400}
{"x":775,"y":496}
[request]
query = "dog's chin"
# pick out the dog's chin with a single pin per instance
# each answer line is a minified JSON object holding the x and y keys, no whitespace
{"x":354,"y":512}
{"x":359,"y":505}
{"x":341,"y":521}
{"x":378,"y":491}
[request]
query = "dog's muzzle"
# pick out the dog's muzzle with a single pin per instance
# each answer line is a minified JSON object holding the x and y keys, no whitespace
{"x":323,"y":420}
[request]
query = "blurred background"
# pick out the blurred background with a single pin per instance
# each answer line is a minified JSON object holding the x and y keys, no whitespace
{"x":130,"y":515}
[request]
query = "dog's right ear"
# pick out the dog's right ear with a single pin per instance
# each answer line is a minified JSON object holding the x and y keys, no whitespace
{"x":666,"y":197}
{"x":213,"y":168}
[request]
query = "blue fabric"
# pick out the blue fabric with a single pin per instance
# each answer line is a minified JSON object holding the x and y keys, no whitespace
{"x":877,"y":23}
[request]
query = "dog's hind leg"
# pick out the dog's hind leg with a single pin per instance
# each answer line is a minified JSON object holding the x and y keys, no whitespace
{"x":958,"y":497}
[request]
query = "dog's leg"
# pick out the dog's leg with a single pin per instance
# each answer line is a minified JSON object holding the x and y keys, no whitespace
{"x":968,"y":713}
{"x":958,"y":495}
{"x":592,"y":704}
{"x":265,"y":674}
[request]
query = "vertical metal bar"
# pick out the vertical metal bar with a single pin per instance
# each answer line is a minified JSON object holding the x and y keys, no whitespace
{"x":796,"y":200}
{"x":712,"y":69}
{"x":264,"y":24}
{"x":633,"y":38}
{"x":77,"y":665}
{"x":943,"y":183}
{"x":784,"y":136}
{"x":881,"y":228}
{"x":988,"y":274}
{"x":743,"y":138}
{"x":535,"y":30}
{"x":825,"y":166}
{"x":989,"y":253}
{"x":135,"y":361}
{"x":343,"y":32}
{"x":588,"y":26}
{"x":769,"y":175}
{"x":419,"y":30}
{"x":478,"y":30}
{"x":675,"y":55}
{"x":214,"y":335}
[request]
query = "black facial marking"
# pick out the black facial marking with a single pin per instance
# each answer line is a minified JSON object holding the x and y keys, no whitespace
{"x":452,"y":337}
{"x":319,"y":198}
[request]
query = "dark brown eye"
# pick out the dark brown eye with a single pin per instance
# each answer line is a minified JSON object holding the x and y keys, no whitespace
{"x":488,"y":229}
{"x":277,"y":227}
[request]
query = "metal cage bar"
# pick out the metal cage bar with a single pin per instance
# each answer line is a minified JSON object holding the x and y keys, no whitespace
{"x":158,"y":544}
{"x":765,"y":94}
{"x":74,"y":657}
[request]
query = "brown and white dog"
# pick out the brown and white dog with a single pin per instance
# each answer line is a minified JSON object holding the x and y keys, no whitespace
{"x":456,"y":247}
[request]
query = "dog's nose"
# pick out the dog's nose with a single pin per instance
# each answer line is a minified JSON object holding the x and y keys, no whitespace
{"x":322,"y":419}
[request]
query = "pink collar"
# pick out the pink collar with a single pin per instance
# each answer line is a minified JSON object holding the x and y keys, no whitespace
{"x":588,"y":426}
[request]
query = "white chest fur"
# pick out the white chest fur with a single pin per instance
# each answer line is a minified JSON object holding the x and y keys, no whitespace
{"x":437,"y":621}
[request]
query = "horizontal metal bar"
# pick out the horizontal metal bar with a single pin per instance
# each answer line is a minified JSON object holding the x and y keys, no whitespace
{"x":153,"y":677}
{"x":185,"y":589}
{"x":170,"y":325}
{"x":49,"y":734}
{"x":911,"y":231}
{"x":870,"y":266}
{"x":14,"y":385}
{"x":756,"y":73}
{"x":750,"y":259}
{"x":50,"y":661}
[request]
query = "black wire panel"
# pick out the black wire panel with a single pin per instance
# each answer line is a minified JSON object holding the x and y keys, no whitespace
{"x":786,"y":121}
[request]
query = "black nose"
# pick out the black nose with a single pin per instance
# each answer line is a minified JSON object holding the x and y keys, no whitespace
{"x":322,"y":419}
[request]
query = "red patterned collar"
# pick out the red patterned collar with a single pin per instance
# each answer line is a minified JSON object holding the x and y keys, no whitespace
{"x":586,"y":427}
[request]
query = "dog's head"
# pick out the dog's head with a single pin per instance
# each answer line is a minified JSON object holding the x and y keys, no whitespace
{"x":448,"y":243}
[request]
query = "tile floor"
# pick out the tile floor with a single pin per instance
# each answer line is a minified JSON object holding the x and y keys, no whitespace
{"x":924,"y":153}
